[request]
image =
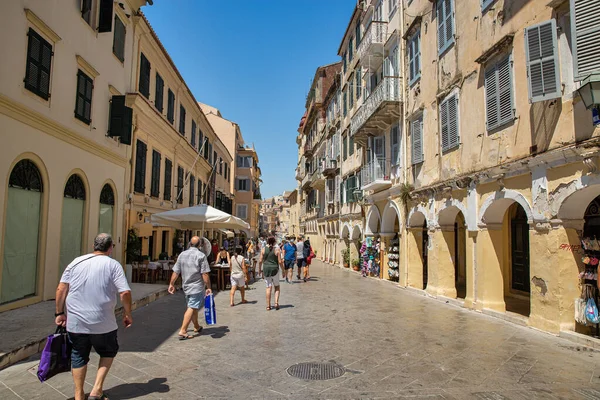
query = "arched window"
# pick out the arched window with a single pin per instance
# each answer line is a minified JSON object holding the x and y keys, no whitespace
{"x":21,"y":237}
{"x":107,"y":207}
{"x":71,"y":231}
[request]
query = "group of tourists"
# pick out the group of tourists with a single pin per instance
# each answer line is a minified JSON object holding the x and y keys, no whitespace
{"x":87,"y":293}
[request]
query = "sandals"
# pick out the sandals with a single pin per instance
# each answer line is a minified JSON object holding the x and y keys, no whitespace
{"x":198,"y":331}
{"x":268,"y":308}
{"x":185,"y":337}
{"x":276,"y":306}
{"x":101,"y":397}
{"x":244,"y":302}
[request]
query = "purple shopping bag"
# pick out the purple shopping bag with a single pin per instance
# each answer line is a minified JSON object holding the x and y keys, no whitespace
{"x":56,"y":356}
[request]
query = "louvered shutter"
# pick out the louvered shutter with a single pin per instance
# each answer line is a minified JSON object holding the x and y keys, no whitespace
{"x":337,"y":189}
{"x":445,"y":11}
{"x":171,"y":106}
{"x":140,"y":167}
{"x":39,"y":61}
{"x":159,"y":93}
{"x":491,"y":97}
{"x":542,"y":62}
{"x":444,"y":125}
{"x":417,"y":140}
{"x":453,"y":138}
{"x":449,"y":10}
{"x":441,"y":21}
{"x":86,"y":10}
{"x":167,"y":183}
{"x":505,"y":95}
{"x":144,"y":82}
{"x":105,"y":16}
{"x":119,"y":39}
{"x":585,"y":26}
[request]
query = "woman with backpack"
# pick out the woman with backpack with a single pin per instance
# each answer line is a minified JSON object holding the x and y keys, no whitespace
{"x":270,"y":258}
{"x":238,"y":271}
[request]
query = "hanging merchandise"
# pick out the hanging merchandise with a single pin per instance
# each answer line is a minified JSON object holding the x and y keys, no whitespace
{"x":580,"y":306}
{"x":586,"y":309}
{"x":394,"y":259}
{"x":370,"y":257}
{"x":591,"y":311}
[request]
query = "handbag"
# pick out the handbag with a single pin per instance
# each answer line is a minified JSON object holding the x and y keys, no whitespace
{"x":210,"y":314}
{"x":591,"y":311}
{"x":580,"y":306}
{"x":56,"y":356}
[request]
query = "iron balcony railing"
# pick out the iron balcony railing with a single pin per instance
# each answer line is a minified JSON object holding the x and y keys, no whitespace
{"x":329,"y":164}
{"x":388,"y":90}
{"x":308,"y":148}
{"x":376,"y":34}
{"x":300,"y":173}
{"x":377,"y":169}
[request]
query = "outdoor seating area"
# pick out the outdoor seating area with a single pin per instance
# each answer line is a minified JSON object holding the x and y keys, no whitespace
{"x":152,"y":271}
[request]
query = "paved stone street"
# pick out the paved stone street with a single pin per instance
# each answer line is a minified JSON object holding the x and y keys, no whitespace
{"x":393,"y":343}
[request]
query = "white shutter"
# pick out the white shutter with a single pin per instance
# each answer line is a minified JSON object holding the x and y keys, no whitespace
{"x":585,"y":25}
{"x":543,"y":75}
{"x":417,"y":140}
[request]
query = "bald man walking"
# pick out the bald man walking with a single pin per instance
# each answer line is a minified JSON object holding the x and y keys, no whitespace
{"x":194,"y":269}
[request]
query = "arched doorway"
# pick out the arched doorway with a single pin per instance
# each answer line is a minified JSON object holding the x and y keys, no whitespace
{"x":373,"y":226}
{"x":507,"y":216}
{"x":418,"y":248}
{"x":71,"y":231}
{"x":460,"y":256}
{"x":23,"y":216}
{"x":107,"y":210}
{"x":452,"y":224}
{"x":390,"y":227}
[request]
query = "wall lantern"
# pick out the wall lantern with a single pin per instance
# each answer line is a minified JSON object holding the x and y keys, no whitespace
{"x":590,"y":91}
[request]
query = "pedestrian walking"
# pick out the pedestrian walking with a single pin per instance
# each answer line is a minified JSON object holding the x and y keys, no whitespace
{"x":194,"y":269}
{"x":250,"y":250}
{"x":308,"y":256}
{"x":226,"y":244}
{"x":89,"y":287}
{"x":289,"y":257}
{"x":300,"y":260}
{"x":271,"y":259}
{"x":263,"y":244}
{"x":238,"y":270}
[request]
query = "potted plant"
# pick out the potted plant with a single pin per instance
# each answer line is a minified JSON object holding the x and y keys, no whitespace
{"x":346,"y":257}
{"x":356,"y":264}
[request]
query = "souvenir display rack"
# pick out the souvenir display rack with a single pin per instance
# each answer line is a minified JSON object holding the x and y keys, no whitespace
{"x":589,"y":277}
{"x":394,"y":259}
{"x":370,"y":252}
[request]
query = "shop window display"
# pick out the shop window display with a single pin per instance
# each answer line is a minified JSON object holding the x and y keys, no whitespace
{"x":370,"y":253}
{"x":394,"y":259}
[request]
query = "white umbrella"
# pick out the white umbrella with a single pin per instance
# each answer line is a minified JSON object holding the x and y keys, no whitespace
{"x":199,"y":218}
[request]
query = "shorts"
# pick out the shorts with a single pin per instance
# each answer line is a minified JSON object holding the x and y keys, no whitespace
{"x":105,"y":344}
{"x":271,"y":281}
{"x":239,"y":282}
{"x":301,"y":262}
{"x":288,"y":264}
{"x":195,"y":301}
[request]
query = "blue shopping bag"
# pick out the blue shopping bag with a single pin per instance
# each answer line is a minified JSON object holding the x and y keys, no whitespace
{"x":210,"y":314}
{"x":591,"y":311}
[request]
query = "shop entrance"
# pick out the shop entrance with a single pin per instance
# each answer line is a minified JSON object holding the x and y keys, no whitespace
{"x":425,"y":244}
{"x":517,"y":293}
{"x":460,"y":256}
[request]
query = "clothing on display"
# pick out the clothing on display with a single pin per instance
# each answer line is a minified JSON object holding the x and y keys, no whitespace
{"x":370,"y":252}
{"x":394,"y":259}
{"x":586,"y":311}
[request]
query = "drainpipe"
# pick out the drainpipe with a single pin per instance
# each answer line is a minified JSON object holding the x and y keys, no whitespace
{"x":404,"y":133}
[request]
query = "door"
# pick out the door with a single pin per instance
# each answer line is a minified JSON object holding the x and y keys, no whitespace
{"x":378,"y":157}
{"x":520,"y":251}
{"x":424,"y":245}
{"x":71,"y":231}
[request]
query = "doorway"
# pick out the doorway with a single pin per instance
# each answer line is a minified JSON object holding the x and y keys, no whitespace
{"x":517,"y":297}
{"x":460,"y":256}
{"x":424,"y":245}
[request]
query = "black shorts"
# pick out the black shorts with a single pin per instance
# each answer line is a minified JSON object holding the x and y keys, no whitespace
{"x":301,"y":262}
{"x":105,"y":344}
{"x":288,"y":264}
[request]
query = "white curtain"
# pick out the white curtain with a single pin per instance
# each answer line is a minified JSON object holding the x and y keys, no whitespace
{"x":71,"y":231}
{"x":19,"y":272}
{"x":106,"y":219}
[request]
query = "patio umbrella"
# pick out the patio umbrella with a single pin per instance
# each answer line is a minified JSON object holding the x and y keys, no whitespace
{"x":199,"y":217}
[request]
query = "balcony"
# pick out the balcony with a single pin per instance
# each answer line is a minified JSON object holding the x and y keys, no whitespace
{"x":308,"y":149}
{"x":306,"y":181}
{"x":300,"y":173}
{"x":376,"y":175}
{"x":330,"y":166}
{"x":317,"y":179}
{"x":379,"y":110}
{"x":371,"y":49}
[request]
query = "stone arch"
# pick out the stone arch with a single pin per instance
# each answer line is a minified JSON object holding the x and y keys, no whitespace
{"x":417,"y":216}
{"x":495,"y":206}
{"x":373,"y":222}
{"x":356,"y":232}
{"x":390,"y":212}
{"x":571,"y":201}
{"x":449,"y":211}
{"x":345,"y":233}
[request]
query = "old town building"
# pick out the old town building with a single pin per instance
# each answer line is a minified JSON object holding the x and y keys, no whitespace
{"x":65,"y":153}
{"x":179,"y":161}
{"x":477,"y":152}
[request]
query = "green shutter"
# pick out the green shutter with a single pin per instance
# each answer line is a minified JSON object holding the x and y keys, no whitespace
{"x":543,"y":75}
{"x":585,"y":31}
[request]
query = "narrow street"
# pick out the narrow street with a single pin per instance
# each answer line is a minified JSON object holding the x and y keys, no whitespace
{"x":392,"y":343}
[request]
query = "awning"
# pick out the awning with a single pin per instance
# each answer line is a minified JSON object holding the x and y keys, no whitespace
{"x":227,"y":233}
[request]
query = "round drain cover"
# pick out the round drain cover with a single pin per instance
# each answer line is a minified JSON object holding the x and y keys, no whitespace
{"x":316,"y":371}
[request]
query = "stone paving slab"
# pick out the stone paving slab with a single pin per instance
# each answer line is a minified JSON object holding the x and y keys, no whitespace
{"x":24,"y":330}
{"x":393,"y":343}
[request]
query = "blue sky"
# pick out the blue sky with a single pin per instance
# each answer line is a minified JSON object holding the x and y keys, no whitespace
{"x":254,"y":60}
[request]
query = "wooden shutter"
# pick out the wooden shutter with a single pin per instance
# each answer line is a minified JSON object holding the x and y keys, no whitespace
{"x":39,"y":61}
{"x":445,"y":33}
{"x":121,"y":118}
{"x":140,"y":167}
{"x":192,"y":186}
{"x":452,"y":105}
{"x":144,"y":82}
{"x":159,"y":93}
{"x":193,"y":139}
{"x":155,"y":179}
{"x":167,"y":183}
{"x":119,"y":39}
{"x":505,"y":93}
{"x":585,"y":26}
{"x":444,"y":125}
{"x":83,"y":97}
{"x":542,"y":62}
{"x":86,"y":10}
{"x":491,"y":97}
{"x":181,"y":119}
{"x":417,"y":140}
{"x":105,"y":17}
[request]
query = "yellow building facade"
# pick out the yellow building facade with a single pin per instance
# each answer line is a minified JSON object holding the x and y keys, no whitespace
{"x":178,"y":160}
{"x":478,"y":156}
{"x":64,"y":177}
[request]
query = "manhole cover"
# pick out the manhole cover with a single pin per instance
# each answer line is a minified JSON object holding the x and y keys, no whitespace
{"x":316,"y":371}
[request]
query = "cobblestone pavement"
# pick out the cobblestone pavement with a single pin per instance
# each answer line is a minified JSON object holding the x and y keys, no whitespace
{"x":393,"y":344}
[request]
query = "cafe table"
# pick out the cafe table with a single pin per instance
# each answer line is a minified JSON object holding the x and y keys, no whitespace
{"x":222,"y":269}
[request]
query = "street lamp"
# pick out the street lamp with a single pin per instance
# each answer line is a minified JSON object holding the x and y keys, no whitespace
{"x":590,"y":91}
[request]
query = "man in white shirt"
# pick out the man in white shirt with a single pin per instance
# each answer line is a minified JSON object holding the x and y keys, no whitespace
{"x":89,"y":288}
{"x":300,"y":260}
